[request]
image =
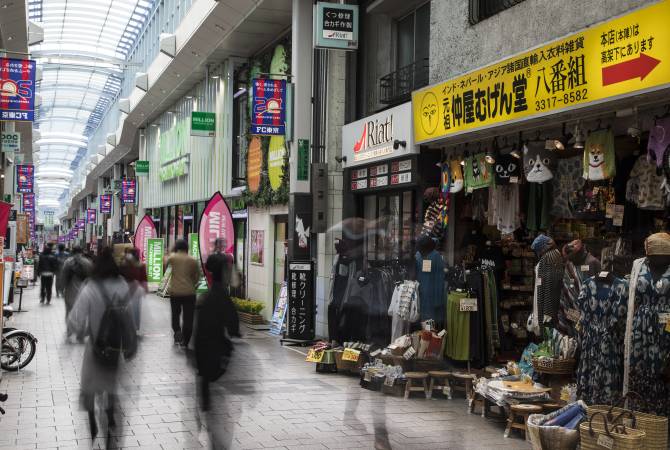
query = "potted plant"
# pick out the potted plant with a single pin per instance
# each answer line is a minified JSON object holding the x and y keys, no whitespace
{"x":249,"y":311}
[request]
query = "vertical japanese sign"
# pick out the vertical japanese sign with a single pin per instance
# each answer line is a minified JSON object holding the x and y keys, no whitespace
{"x":105,"y":204}
{"x":269,"y":107}
{"x":300,"y":301}
{"x":216,"y":222}
{"x":25,"y":178}
{"x":22,"y":228}
{"x":128,"y":190}
{"x":17,"y":88}
{"x":91,"y":216}
{"x":48,"y":220}
{"x":145,"y":230}
{"x":617,"y":58}
{"x":336,"y":26}
{"x":28,"y":201}
{"x":155,"y":260}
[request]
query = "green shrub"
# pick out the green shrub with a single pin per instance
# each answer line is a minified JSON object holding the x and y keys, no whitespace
{"x":248,"y":306}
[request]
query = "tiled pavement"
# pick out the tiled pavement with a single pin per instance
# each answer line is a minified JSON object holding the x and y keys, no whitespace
{"x":269,"y":398}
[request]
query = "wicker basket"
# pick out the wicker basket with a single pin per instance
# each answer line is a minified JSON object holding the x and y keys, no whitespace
{"x":655,"y":427}
{"x":598,"y":434}
{"x":554,"y":366}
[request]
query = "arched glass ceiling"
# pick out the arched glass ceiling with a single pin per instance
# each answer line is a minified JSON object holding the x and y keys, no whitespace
{"x":86,"y":43}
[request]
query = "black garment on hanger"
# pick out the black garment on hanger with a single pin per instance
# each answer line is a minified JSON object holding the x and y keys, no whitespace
{"x":343,"y":270}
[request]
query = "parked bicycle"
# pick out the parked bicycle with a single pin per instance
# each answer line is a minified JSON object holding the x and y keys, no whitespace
{"x":18,"y":346}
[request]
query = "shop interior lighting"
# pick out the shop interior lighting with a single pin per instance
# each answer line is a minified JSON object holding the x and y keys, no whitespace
{"x":580,"y":139}
{"x":490,"y":159}
{"x":397,"y":144}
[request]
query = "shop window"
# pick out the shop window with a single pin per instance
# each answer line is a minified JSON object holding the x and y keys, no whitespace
{"x":483,"y":9}
{"x":412,"y":55}
{"x":240,"y":127}
{"x":393,"y":215}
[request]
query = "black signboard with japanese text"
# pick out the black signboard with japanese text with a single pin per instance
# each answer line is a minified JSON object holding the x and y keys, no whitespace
{"x":301,"y":300}
{"x":384,"y":175}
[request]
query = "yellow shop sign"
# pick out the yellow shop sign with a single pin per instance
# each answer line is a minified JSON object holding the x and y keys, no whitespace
{"x":617,"y":58}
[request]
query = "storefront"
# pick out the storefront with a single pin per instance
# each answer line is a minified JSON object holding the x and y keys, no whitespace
{"x":539,"y":225}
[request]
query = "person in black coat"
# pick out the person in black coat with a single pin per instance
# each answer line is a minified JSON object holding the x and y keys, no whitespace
{"x":46,"y":269}
{"x":217,"y":322}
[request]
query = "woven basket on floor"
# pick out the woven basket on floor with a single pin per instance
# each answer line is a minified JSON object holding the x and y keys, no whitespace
{"x":655,"y":427}
{"x":594,"y":434}
{"x":554,"y":366}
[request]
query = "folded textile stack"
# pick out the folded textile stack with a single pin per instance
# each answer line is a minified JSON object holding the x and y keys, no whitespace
{"x":558,"y":430}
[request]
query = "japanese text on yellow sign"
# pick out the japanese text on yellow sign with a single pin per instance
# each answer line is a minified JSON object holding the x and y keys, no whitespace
{"x":615,"y":58}
{"x":350,"y":355}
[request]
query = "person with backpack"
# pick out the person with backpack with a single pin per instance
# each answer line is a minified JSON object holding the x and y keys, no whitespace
{"x":61,"y":257}
{"x":103,"y":310}
{"x":47,"y":267}
{"x":135,"y":273}
{"x":76,"y":270}
{"x":184,"y":279}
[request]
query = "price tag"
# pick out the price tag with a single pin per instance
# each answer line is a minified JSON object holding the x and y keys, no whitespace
{"x":547,"y":363}
{"x":514,"y":180}
{"x":573,"y":315}
{"x":392,"y":347}
{"x":314,"y":356}
{"x":389,"y":381}
{"x":585,"y":268}
{"x":538,"y":282}
{"x":617,"y":218}
{"x":427,"y":265}
{"x":605,"y":441}
{"x":469,"y":190}
{"x":409,"y":353}
{"x":664,"y":317}
{"x":468,"y":305}
{"x":350,"y":355}
{"x":609,"y":210}
{"x":603,"y":274}
{"x":367,"y":376}
{"x":442,"y":333}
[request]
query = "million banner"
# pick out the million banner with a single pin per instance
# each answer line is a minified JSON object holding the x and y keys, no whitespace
{"x":614,"y":59}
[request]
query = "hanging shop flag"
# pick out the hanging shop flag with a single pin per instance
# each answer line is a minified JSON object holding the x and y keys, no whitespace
{"x":22,"y":228}
{"x":141,"y":167}
{"x":216,"y":222}
{"x":106,"y":204}
{"x":254,"y":164}
{"x":28,"y":202}
{"x":194,"y":251}
{"x":81,"y":224}
{"x":128,"y":190}
{"x":203,"y":124}
{"x":17,"y":84}
{"x":91,"y":216}
{"x":336,"y":26}
{"x":269,"y":107}
{"x":145,"y":230}
{"x":276,"y":154}
{"x":5,"y":210}
{"x":154,"y":258}
{"x":10,"y":141}
{"x":25,"y":178}
{"x":48,"y":220}
{"x":617,"y":58}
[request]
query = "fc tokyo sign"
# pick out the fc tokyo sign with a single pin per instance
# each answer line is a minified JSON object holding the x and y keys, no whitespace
{"x":17,"y":89}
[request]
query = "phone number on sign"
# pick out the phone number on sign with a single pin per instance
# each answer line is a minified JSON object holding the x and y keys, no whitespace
{"x":566,"y":99}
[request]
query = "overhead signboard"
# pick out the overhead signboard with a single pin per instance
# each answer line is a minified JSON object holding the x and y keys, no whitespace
{"x":141,"y":167}
{"x":91,"y":216}
{"x":336,"y":26}
{"x":25,"y":178}
{"x":268,"y":115}
{"x":10,"y":141}
{"x":615,"y":59}
{"x":106,"y":204}
{"x":17,"y":85}
{"x":128,"y":190}
{"x":203,"y":124}
{"x":381,"y":136}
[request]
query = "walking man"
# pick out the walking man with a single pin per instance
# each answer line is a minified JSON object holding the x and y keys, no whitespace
{"x":46,"y":269}
{"x":76,"y":269}
{"x":61,"y":256}
{"x":184,"y":279}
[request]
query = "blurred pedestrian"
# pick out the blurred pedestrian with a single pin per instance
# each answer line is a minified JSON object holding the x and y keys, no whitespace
{"x":135,"y":274}
{"x":183,"y":281}
{"x":102,"y":309}
{"x":61,"y":257}
{"x":216,"y":316}
{"x":76,"y":270}
{"x":46,"y":270}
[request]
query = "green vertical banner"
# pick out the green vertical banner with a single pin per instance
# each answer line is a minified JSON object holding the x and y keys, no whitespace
{"x":155,"y":248}
{"x":194,"y":251}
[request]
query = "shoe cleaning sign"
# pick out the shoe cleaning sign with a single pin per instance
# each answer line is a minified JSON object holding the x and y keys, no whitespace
{"x":618,"y":58}
{"x":336,"y":26}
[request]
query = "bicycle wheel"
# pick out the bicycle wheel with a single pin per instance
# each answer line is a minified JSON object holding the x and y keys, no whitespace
{"x":18,"y":349}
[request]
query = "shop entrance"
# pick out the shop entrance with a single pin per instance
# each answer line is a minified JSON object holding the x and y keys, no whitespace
{"x":280,"y":248}
{"x":390,"y":218}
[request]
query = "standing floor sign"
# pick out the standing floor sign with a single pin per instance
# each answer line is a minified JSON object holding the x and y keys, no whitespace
{"x":617,"y":58}
{"x":301,"y":300}
{"x":155,"y":260}
{"x":194,"y":251}
{"x":216,"y":222}
{"x":279,"y":314}
{"x":145,"y":230}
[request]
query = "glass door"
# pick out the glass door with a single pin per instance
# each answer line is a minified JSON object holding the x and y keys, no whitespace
{"x":280,"y":253}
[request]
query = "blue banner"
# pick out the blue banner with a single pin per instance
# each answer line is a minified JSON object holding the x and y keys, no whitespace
{"x":25,"y":178}
{"x":269,"y":107}
{"x":17,"y":89}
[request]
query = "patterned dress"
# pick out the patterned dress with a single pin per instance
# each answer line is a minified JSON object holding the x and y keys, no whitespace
{"x":650,"y":349}
{"x":602,"y":328}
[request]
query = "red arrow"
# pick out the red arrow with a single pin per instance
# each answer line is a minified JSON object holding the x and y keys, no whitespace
{"x":628,"y":70}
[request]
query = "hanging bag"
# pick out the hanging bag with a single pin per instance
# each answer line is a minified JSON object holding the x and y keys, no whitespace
{"x":655,"y":427}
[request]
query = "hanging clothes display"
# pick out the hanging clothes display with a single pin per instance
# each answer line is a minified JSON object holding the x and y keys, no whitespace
{"x":644,"y":186}
{"x":503,"y":212}
{"x":456,"y":176}
{"x":343,"y":270}
{"x":477,"y":172}
{"x":567,"y":182}
{"x":539,"y":204}
{"x":602,"y":304}
{"x":457,"y":346}
{"x":507,"y":170}
{"x":430,"y":275}
{"x":659,"y":140}
{"x":548,"y":280}
{"x":538,"y":162}
{"x":404,"y":308}
{"x":650,"y":341}
{"x":599,"y":160}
